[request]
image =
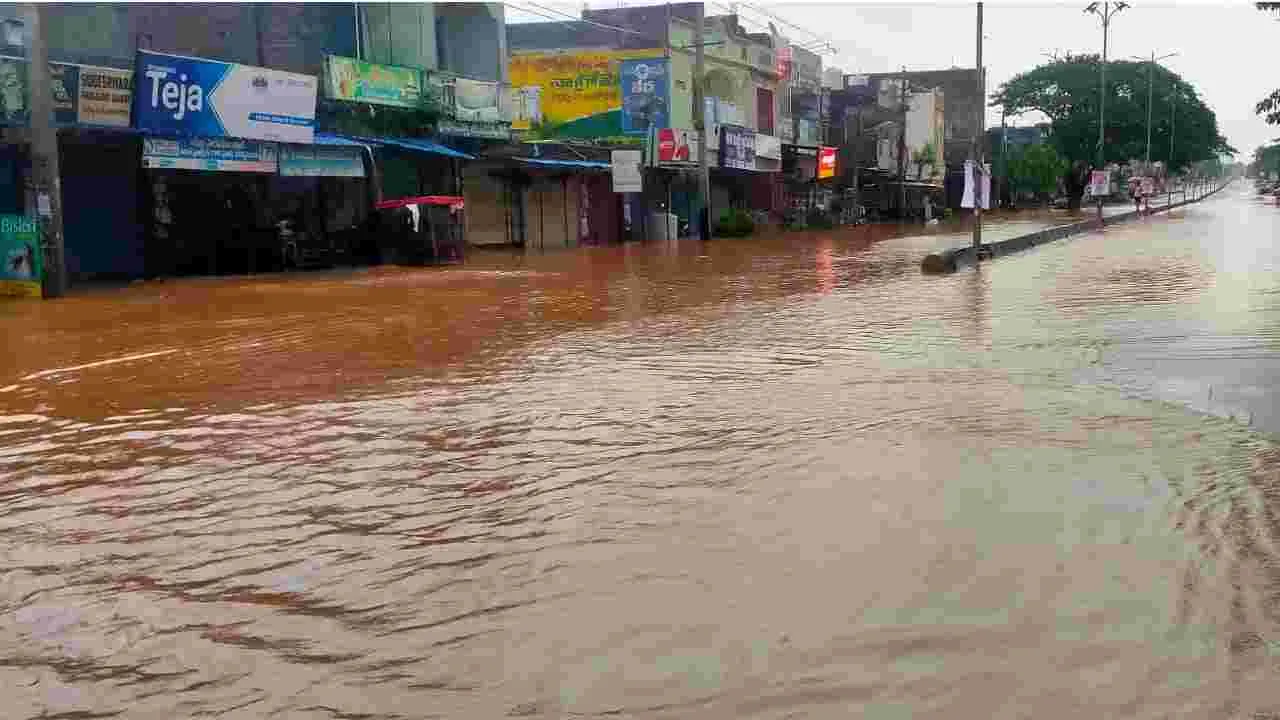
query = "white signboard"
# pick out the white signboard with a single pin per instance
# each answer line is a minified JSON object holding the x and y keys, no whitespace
{"x":1100,"y":183}
{"x":625,"y":166}
{"x":768,"y":146}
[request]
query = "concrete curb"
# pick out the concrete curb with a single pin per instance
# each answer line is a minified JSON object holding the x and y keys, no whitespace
{"x":948,"y":261}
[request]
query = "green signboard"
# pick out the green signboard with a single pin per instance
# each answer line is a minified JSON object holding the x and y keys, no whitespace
{"x":20,"y":272}
{"x":359,"y":81}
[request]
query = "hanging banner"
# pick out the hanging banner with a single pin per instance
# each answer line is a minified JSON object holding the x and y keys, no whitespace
{"x":576,"y":94}
{"x":178,"y":95}
{"x":625,"y":170}
{"x":220,"y":154}
{"x":359,"y":81}
{"x":737,"y":147}
{"x":644,"y":94}
{"x":826,"y":162}
{"x":321,"y":161}
{"x":20,"y":254}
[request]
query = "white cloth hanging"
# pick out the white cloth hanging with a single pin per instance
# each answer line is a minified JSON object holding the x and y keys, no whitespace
{"x":967,"y":200}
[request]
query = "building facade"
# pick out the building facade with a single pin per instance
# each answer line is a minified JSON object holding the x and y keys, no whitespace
{"x":142,"y":198}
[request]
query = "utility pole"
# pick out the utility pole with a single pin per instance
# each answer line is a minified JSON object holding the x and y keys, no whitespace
{"x":700,"y":122}
{"x":975,"y":146}
{"x":45,"y":187}
{"x":1150,"y":94}
{"x":902,"y":155}
{"x":1106,"y":13}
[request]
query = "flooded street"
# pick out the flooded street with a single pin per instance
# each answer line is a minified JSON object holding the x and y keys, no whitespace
{"x":789,"y":477}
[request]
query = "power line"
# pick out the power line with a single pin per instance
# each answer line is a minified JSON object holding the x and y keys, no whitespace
{"x":822,"y":38}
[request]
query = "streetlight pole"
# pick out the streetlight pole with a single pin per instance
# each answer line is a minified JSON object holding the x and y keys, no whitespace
{"x":975,"y":149}
{"x":1150,"y":87}
{"x":1106,"y":12}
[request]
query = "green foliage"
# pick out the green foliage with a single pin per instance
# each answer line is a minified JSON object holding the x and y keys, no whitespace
{"x":1067,"y":91}
{"x":363,"y":120}
{"x":1267,"y":159}
{"x":1035,"y":169}
{"x":735,"y":223}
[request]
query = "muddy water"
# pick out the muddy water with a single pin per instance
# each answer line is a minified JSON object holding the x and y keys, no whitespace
{"x":779,"y":478}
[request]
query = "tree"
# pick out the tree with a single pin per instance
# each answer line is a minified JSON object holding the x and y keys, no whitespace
{"x":1269,"y":107}
{"x":1035,"y":169}
{"x":1266,"y":159}
{"x":1066,"y":90}
{"x":926,"y":155}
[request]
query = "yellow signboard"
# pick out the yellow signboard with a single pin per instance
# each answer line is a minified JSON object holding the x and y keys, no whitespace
{"x":554,"y":88}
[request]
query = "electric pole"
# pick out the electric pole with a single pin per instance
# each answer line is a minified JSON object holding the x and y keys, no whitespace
{"x":45,"y":189}
{"x":1106,"y":13}
{"x":700,"y":122}
{"x":1150,"y":94}
{"x":975,"y":147}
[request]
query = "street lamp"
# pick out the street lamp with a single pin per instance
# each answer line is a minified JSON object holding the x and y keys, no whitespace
{"x":1106,"y":11}
{"x":1150,"y":70}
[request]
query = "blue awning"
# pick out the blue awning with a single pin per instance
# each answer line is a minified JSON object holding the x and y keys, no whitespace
{"x":331,"y":139}
{"x":581,"y":164}
{"x":420,"y":145}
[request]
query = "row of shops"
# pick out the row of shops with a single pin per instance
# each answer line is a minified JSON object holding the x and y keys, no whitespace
{"x":190,"y":166}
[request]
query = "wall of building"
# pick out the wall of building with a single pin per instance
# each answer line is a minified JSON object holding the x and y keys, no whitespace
{"x":285,"y":36}
{"x":961,"y":104}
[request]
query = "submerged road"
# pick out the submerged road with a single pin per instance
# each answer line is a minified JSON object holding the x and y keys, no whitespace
{"x":788,"y":477}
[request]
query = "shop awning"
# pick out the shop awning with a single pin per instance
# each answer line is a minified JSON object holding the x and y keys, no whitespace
{"x":331,"y":139}
{"x":580,"y":164}
{"x":418,"y":145}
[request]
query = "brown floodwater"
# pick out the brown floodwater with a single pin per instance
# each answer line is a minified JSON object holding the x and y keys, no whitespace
{"x":773,"y":478}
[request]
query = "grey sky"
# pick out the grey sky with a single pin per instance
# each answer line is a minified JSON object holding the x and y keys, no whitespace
{"x":1221,"y":45}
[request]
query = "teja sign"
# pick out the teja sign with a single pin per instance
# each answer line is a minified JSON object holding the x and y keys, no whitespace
{"x":178,"y":95}
{"x":826,"y":162}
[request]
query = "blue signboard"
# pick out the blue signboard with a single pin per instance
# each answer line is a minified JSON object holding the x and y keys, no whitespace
{"x":645,"y":94}
{"x":199,"y":153}
{"x":177,"y":95}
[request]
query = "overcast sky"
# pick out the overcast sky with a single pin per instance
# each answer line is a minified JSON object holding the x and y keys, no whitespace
{"x":1226,"y":50}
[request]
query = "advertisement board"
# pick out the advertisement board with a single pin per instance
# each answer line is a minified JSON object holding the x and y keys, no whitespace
{"x":1099,"y":183}
{"x":21,"y":269}
{"x":359,"y":81}
{"x":625,"y":170}
{"x":737,"y":147}
{"x":178,"y":95}
{"x":477,"y":101}
{"x":578,"y":87}
{"x":826,"y":162}
{"x":321,"y":161}
{"x":105,"y":96}
{"x":491,"y":131}
{"x":198,"y":153}
{"x":81,"y":94}
{"x":768,"y":147}
{"x":677,"y":146}
{"x":645,"y":96}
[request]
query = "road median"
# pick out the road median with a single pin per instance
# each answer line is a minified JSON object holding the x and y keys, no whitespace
{"x":949,"y":261}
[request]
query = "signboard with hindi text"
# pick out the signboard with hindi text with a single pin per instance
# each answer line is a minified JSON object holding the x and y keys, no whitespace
{"x":578,"y":92}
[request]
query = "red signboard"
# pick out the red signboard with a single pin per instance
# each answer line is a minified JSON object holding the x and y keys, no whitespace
{"x":826,"y":162}
{"x":784,"y":62}
{"x":673,"y":145}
